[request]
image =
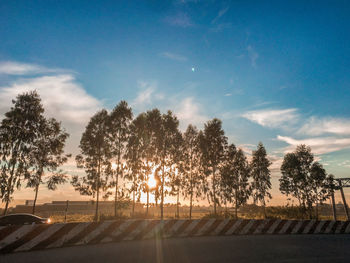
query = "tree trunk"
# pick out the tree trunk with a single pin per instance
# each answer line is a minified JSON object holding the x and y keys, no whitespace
{"x":214,"y":189}
{"x":133,"y":202}
{"x":177,"y":203}
{"x":191,"y":186}
{"x":9,"y":189}
{"x":191,"y":197}
{"x":116,"y":194}
{"x":6,"y":207}
{"x":36,"y":191}
{"x":147,"y":201}
{"x":236,"y":205}
{"x":98,"y":190}
{"x":264,"y":207}
{"x":162,"y":195}
{"x":35,"y":198}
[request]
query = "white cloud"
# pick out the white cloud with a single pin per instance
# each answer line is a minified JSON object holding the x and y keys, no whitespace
{"x":173,"y":56}
{"x":319,"y":145}
{"x":188,"y":112}
{"x":276,"y":162}
{"x":318,"y":126}
{"x":253,"y":55}
{"x":16,"y":68}
{"x":273,"y":118}
{"x":228,"y":94}
{"x":62,"y":97}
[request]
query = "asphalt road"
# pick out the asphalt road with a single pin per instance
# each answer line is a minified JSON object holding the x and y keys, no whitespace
{"x":277,"y":248}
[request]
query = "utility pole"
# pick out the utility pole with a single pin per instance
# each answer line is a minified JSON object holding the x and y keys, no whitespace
{"x":343,"y":198}
{"x":342,"y":182}
{"x":65,"y":212}
{"x":333,"y":207}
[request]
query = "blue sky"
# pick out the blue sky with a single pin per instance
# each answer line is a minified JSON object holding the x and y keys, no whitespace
{"x":276,"y":71}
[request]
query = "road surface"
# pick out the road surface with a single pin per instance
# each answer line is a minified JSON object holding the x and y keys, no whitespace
{"x":276,"y":248}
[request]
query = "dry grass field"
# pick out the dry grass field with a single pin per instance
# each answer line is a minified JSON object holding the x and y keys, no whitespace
{"x":246,"y":212}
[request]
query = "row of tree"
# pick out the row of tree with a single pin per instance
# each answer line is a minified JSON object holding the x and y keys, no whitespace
{"x":122,"y":155}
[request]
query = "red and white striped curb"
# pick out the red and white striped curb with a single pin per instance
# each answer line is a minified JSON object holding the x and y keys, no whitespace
{"x":34,"y":237}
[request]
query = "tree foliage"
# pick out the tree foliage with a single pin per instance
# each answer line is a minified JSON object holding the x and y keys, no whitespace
{"x":46,"y":157}
{"x":235,"y":173}
{"x":212,"y":142}
{"x":95,"y":158}
{"x":118,"y":132}
{"x":304,"y":179}
{"x":261,"y":176}
{"x":192,"y":179}
{"x":18,"y":130}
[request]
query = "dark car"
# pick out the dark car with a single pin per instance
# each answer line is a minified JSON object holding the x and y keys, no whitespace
{"x":22,"y":219}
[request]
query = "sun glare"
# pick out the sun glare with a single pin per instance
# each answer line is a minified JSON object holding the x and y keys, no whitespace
{"x":152,"y":182}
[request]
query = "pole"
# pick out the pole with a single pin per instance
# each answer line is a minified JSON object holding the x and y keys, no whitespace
{"x":344,"y":201}
{"x":333,"y":207}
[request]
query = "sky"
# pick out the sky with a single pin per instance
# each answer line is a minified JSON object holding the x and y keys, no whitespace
{"x":272,"y":71}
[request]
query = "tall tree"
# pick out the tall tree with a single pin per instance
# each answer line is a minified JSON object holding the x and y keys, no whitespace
{"x":235,"y":174}
{"x":118,"y":125}
{"x":138,"y":142}
{"x":212,"y":144}
{"x":321,"y":184}
{"x":18,"y":130}
{"x":304,"y":179}
{"x":46,"y":156}
{"x":95,"y":158}
{"x":167,"y":145}
{"x":261,"y":176}
{"x":191,"y":177}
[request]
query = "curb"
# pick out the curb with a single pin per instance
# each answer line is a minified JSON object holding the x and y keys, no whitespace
{"x":36,"y":237}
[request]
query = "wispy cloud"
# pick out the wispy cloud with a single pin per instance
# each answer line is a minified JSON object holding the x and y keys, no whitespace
{"x":220,"y":14}
{"x":317,"y":126}
{"x":319,"y":145}
{"x":273,"y":118}
{"x":147,"y":95}
{"x":345,"y":163}
{"x":253,"y":55}
{"x":173,"y":56}
{"x":185,"y":1}
{"x":188,"y":112}
{"x":17,"y":68}
{"x":180,"y":19}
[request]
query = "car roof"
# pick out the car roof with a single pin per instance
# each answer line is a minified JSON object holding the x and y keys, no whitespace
{"x":20,"y":214}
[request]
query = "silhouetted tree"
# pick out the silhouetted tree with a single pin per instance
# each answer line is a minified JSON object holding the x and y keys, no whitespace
{"x":138,"y":143}
{"x":18,"y":130}
{"x":261,"y":176}
{"x":167,"y":144}
{"x":95,"y":158}
{"x":46,"y":156}
{"x":212,"y":144}
{"x":192,"y":179}
{"x":304,"y":179}
{"x":118,"y":125}
{"x":235,"y":174}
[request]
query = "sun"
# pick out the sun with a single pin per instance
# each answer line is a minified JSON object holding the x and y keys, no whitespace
{"x":152,"y":182}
